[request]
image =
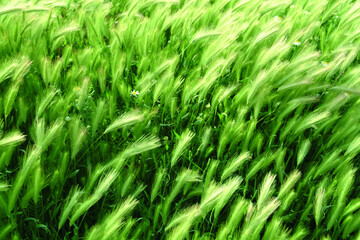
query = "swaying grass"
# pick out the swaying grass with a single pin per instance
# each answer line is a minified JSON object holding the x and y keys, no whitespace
{"x":179,"y":119}
{"x":12,"y":139}
{"x":126,"y":119}
{"x":181,"y":146}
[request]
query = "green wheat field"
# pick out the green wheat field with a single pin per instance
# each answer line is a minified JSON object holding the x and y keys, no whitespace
{"x":179,"y":119}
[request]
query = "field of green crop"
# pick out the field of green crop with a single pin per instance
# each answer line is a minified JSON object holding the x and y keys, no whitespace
{"x":179,"y":119}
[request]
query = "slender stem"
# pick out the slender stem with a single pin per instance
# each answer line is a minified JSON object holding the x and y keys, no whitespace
{"x":87,"y":150}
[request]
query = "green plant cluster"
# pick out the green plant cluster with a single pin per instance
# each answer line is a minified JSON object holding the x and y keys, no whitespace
{"x":179,"y":119}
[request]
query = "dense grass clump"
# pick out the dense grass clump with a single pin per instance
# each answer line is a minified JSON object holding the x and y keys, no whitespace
{"x":179,"y":119}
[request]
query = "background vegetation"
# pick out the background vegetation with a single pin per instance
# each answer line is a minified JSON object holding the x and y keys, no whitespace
{"x":174,"y":119}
